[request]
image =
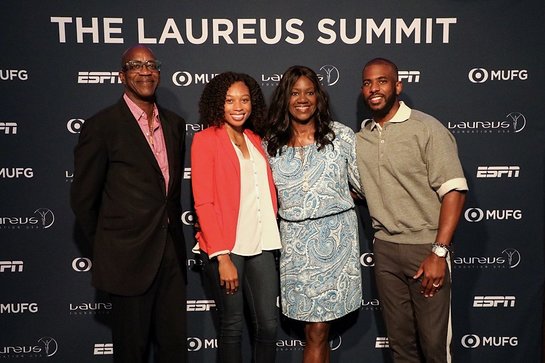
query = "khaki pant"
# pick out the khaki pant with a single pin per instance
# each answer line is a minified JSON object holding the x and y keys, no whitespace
{"x":419,"y":328}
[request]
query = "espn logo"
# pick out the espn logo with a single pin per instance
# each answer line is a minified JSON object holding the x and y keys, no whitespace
{"x":8,"y":128}
{"x":498,"y":171}
{"x":11,"y":266}
{"x":201,"y":305}
{"x":103,"y":349}
{"x":409,"y":76}
{"x":494,"y":301}
{"x":382,"y":342}
{"x":98,"y":77}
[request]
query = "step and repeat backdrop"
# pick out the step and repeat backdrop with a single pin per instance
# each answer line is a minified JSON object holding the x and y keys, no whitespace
{"x":478,"y":66}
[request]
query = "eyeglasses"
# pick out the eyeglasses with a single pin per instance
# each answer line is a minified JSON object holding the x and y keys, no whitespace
{"x":134,"y":65}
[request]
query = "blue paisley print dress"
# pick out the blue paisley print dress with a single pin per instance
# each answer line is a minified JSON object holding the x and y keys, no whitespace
{"x":320,"y":275}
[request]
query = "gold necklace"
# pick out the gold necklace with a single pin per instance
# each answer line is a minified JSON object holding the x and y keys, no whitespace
{"x":237,"y":144}
{"x":234,"y":140}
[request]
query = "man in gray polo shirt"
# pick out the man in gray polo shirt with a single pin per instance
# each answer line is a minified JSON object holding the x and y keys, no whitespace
{"x":415,"y":190}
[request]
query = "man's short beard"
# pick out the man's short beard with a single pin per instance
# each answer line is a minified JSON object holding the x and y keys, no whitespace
{"x":390,"y":102}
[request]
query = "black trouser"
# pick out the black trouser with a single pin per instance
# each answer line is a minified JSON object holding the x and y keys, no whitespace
{"x":159,"y":314}
{"x":258,"y":286}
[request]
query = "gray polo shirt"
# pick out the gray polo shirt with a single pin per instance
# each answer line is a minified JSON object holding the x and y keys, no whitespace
{"x":406,"y":167}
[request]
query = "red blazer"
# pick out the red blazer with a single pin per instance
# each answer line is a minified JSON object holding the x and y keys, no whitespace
{"x":215,"y":174}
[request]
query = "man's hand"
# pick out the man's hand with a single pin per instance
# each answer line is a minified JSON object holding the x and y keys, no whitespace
{"x":432,"y":270}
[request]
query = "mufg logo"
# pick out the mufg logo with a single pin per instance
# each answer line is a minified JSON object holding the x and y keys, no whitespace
{"x":13,"y":75}
{"x":474,"y":215}
{"x":185,"y":78}
{"x":472,"y":341}
{"x":367,"y":259}
{"x":188,"y":218}
{"x":16,"y":173}
{"x":82,"y":264}
{"x":195,"y":344}
{"x":74,"y":125}
{"x":481,"y":75}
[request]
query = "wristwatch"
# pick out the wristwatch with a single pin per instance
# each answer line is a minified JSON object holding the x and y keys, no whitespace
{"x":441,"y":250}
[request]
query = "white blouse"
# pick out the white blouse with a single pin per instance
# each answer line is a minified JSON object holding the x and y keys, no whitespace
{"x":257,"y":229}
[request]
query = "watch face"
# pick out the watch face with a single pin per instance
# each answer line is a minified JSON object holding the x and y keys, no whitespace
{"x":439,"y":251}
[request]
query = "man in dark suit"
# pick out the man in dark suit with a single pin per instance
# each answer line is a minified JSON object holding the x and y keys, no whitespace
{"x":126,"y":197}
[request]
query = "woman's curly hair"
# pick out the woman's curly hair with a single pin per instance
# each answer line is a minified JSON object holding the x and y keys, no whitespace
{"x":212,"y":101}
{"x":279,"y":131}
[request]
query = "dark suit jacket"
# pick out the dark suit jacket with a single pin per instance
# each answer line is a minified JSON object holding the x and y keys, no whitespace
{"x":119,"y":199}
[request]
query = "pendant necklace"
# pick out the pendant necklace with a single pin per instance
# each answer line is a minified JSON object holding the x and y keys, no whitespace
{"x":234,"y":141}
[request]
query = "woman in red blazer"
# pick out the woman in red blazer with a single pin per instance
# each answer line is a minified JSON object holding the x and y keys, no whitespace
{"x":235,"y":202}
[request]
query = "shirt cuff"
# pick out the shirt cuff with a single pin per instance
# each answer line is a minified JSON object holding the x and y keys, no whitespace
{"x":459,"y":184}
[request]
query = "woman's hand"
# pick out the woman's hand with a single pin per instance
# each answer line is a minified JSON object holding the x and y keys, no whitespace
{"x":228,"y":274}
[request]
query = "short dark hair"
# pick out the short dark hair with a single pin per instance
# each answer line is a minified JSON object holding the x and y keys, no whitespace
{"x":128,"y":51}
{"x":382,"y":61}
{"x":279,"y":131}
{"x":212,"y":101}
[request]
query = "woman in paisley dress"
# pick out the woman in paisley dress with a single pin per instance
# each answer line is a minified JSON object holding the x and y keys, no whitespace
{"x":313,"y":162}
